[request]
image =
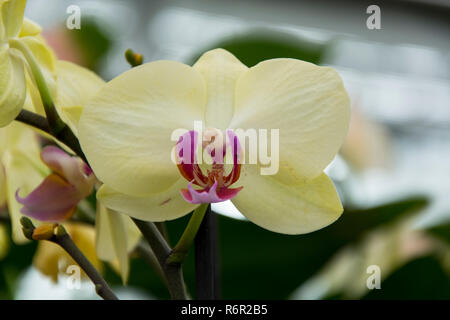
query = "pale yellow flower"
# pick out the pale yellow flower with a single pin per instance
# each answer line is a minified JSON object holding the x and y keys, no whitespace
{"x":125,"y":132}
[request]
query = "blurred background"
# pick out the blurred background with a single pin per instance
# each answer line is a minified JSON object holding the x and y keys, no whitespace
{"x":393,"y":173}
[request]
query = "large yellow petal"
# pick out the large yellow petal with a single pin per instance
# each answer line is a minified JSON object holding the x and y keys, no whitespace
{"x":220,"y":70}
{"x":307,"y":103}
{"x":119,"y":240}
{"x":116,"y":236}
{"x":29,"y":28}
{"x":75,"y":85}
{"x":162,"y":206}
{"x":12,"y":86}
{"x":289,"y":209}
{"x":12,"y":16}
{"x":125,"y":130}
{"x":103,"y":234}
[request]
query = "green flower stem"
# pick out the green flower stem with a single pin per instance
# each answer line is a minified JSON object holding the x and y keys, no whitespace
{"x":63,"y":239}
{"x":55,"y":122}
{"x":172,"y":272}
{"x":180,"y":251}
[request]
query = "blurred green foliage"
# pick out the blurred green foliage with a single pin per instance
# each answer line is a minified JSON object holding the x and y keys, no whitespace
{"x":441,"y":231}
{"x":422,"y":278}
{"x":18,"y":259}
{"x":260,"y":44}
{"x":93,"y":42}
{"x":259,"y":264}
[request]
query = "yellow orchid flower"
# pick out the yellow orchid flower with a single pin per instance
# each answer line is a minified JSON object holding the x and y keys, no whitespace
{"x":126,"y":129}
{"x":17,"y":30}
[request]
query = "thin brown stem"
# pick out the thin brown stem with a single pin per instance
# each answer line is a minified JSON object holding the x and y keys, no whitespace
{"x":172,"y":271}
{"x":58,"y":234}
{"x":33,"y":119}
{"x":163,"y":229}
{"x":101,"y":287}
{"x":65,"y":135}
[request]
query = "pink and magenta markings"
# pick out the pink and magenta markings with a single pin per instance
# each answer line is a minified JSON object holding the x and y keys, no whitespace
{"x":215,"y":184}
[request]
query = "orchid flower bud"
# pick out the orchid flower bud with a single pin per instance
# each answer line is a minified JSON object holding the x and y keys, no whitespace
{"x":56,"y":198}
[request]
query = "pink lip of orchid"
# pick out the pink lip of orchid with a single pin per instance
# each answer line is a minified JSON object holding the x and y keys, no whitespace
{"x":56,"y":198}
{"x":215,"y":184}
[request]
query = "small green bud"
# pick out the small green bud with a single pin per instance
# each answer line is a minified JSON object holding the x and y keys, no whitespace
{"x":26,"y":223}
{"x":28,"y":233}
{"x":134,"y":58}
